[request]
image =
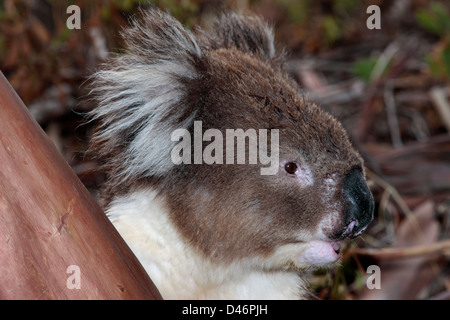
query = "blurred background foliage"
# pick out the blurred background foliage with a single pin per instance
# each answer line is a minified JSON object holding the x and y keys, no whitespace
{"x":389,"y":87}
{"x":35,"y":43}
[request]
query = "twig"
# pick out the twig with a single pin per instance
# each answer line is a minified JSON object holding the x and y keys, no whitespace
{"x":398,"y":199}
{"x":391,"y":111}
{"x":382,"y":214}
{"x":441,"y":247}
{"x":438,"y":96}
{"x":383,"y":61}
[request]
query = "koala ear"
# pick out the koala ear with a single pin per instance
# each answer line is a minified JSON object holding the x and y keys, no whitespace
{"x":140,"y":95}
{"x":157,"y":37}
{"x":248,"y":34}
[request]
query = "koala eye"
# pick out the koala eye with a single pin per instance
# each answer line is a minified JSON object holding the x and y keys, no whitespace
{"x":291,"y":167}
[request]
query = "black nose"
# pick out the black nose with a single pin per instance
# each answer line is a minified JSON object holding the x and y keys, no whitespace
{"x":358,"y":203}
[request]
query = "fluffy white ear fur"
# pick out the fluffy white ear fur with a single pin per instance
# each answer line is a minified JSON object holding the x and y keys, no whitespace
{"x":137,"y":94}
{"x":141,"y":93}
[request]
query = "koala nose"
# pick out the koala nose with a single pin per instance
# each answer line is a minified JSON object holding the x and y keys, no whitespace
{"x":358,"y":204}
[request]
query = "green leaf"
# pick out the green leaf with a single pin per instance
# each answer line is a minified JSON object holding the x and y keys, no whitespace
{"x":446,"y":60}
{"x":428,"y":22}
{"x":363,"y":68}
{"x":332,"y":29}
{"x":435,"y":19}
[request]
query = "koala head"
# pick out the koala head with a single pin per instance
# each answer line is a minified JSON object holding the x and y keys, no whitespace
{"x":168,"y":79}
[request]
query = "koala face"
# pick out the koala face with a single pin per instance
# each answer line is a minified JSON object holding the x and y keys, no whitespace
{"x":169,"y":79}
{"x":316,"y":198}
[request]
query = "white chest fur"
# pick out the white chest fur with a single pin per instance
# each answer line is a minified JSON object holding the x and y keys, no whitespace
{"x":181,"y":272}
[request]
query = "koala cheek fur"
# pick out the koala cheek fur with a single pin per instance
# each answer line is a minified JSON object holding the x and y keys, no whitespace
{"x":221,"y":230}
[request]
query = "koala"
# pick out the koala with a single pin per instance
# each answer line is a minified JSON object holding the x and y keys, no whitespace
{"x":221,"y":229}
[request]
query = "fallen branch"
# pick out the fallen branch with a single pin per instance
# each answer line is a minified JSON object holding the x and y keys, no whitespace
{"x":391,"y":111}
{"x":439,"y":98}
{"x":392,"y":192}
{"x":441,"y":247}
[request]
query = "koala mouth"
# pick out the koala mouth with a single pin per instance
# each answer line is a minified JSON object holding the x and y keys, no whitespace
{"x":336,"y":245}
{"x":318,"y":252}
{"x":321,"y":252}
